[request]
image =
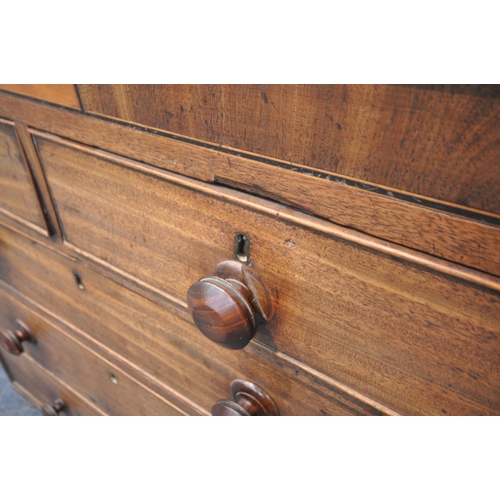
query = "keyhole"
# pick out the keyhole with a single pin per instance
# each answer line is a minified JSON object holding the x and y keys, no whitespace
{"x":242,"y":247}
{"x":78,"y":279}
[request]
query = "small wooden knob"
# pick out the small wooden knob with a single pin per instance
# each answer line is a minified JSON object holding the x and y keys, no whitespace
{"x":12,"y":341}
{"x":54,"y":410}
{"x":228,"y":307}
{"x":249,"y":400}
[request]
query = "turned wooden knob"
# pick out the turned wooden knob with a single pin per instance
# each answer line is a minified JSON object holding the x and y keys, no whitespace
{"x":249,"y":400}
{"x":56,"y":409}
{"x":228,"y":307}
{"x":12,"y":341}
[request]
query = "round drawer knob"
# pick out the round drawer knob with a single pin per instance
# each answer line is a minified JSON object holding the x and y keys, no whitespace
{"x":228,"y":307}
{"x":54,"y":410}
{"x":249,"y":400}
{"x":12,"y":341}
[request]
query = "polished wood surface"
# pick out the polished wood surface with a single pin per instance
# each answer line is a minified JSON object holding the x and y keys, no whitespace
{"x":42,"y":387}
{"x":165,"y":193}
{"x":249,"y":401}
{"x":160,"y":339}
{"x":105,"y":385}
{"x":18,"y":196}
{"x":348,"y":307}
{"x":469,"y":238}
{"x":362,"y":223}
{"x":62,"y":94}
{"x":221,"y":313}
{"x":438,"y":141}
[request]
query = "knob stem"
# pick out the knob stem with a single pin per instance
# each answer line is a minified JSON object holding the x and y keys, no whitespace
{"x":249,"y":400}
{"x":228,"y":307}
{"x":56,"y":409}
{"x":13,"y":341}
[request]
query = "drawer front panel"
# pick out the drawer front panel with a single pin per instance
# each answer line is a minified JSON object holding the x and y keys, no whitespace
{"x":161,"y":339}
{"x":18,"y":197}
{"x":42,"y":388}
{"x":105,"y":385}
{"x":414,"y":339}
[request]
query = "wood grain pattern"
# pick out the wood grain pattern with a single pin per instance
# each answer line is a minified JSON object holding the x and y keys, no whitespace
{"x":84,"y":160}
{"x":41,"y":387}
{"x":108,"y":387}
{"x":18,"y":196}
{"x":439,"y":141}
{"x":411,"y":338}
{"x":158,"y":337}
{"x":63,"y":94}
{"x":435,"y":232}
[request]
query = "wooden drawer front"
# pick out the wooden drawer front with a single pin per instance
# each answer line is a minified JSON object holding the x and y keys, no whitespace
{"x":43,"y":388}
{"x":415,"y":339}
{"x":18,"y":197}
{"x":105,"y":385}
{"x":161,"y":339}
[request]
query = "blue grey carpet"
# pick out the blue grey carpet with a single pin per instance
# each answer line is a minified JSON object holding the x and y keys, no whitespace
{"x":11,"y":402}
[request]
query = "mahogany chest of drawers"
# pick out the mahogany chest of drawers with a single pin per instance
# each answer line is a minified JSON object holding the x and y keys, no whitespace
{"x":251,"y":250}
